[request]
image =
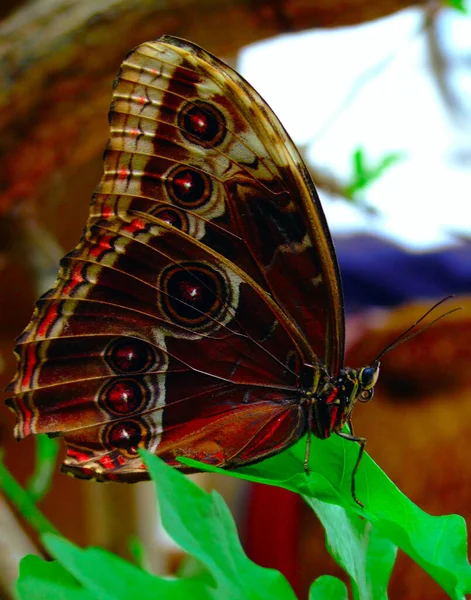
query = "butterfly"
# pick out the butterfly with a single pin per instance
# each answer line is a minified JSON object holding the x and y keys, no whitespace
{"x":201,"y":314}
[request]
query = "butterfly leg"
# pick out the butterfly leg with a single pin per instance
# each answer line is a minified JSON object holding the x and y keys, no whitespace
{"x":362,"y":442}
{"x":350,"y":426}
{"x":309,"y":434}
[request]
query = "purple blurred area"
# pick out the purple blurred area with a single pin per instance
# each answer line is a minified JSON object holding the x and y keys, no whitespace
{"x":377,"y":272}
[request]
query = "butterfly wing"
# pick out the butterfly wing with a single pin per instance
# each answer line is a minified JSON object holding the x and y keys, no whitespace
{"x":204,"y":295}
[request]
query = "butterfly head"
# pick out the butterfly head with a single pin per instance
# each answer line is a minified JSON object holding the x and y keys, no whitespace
{"x":356,"y":385}
{"x":367,"y":378}
{"x":341,"y":394}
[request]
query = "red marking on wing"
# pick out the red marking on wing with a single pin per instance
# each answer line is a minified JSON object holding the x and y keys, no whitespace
{"x":30,"y":361}
{"x":106,"y":462}
{"x":103,"y":245}
{"x":123,"y":173}
{"x":75,"y":279}
{"x":27,"y":416}
{"x":78,"y":456}
{"x":199,"y":122}
{"x":134,"y":226}
{"x":48,"y":319}
{"x":106,"y":211}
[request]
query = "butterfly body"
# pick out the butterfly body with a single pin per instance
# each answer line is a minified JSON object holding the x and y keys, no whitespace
{"x":201,"y":313}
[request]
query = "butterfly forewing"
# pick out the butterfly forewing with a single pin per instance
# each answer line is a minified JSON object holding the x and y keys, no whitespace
{"x":203,"y":298}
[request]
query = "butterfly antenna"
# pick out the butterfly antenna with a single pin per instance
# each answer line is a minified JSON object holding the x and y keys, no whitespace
{"x":403,"y":337}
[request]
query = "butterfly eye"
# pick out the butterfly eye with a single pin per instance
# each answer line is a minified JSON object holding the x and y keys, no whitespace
{"x":368,"y":377}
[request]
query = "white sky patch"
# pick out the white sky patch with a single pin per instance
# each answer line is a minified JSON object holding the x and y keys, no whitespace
{"x":425,"y":200}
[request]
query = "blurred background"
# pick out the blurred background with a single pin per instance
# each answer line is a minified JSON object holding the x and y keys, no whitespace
{"x":376,"y":94}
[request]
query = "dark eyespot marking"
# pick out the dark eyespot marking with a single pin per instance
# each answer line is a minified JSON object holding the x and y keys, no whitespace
{"x":189,"y":188}
{"x":124,"y":396}
{"x":202,"y":123}
{"x":174,"y":217}
{"x":130,"y":355}
{"x":193,"y":293}
{"x":126,"y":436}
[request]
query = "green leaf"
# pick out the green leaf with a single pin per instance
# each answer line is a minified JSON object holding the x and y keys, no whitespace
{"x":459,"y":5}
{"x":46,"y":459}
{"x":328,"y":587}
{"x":24,"y":502}
{"x":202,"y":525}
{"x":198,"y":521}
{"x":137,"y":551}
{"x":359,"y":165}
{"x":366,"y":556}
{"x":109,"y":577}
{"x":437,"y":544}
{"x":380,"y":558}
{"x":41,"y":580}
{"x":365,"y":174}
